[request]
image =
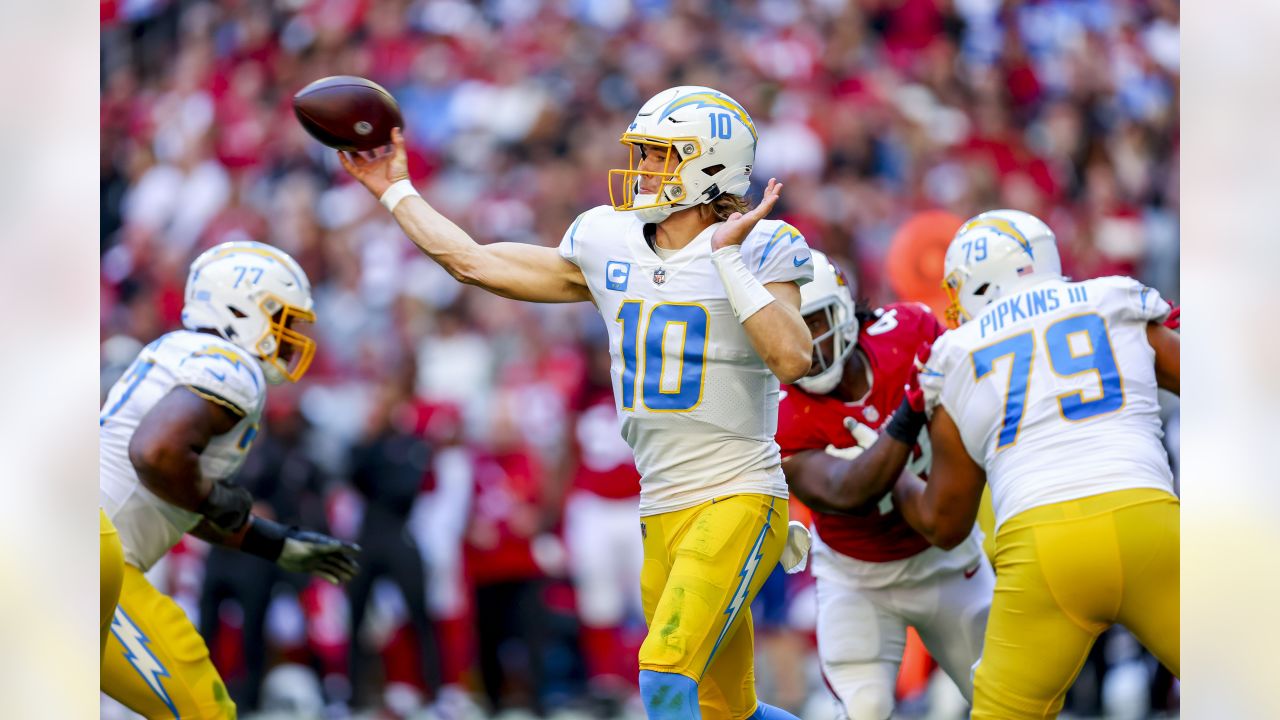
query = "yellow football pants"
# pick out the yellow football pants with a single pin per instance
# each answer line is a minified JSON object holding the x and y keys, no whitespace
{"x":156,"y":664}
{"x":702,"y":567}
{"x":110,"y":575}
{"x":987,"y":524}
{"x":1065,"y":573}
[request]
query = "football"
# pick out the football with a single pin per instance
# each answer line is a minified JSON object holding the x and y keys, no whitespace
{"x":347,"y":112}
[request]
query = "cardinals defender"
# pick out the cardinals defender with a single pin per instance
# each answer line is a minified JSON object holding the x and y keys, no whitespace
{"x":702,"y":302}
{"x":1046,"y":390}
{"x":173,"y":429}
{"x":876,"y":575}
{"x":605,"y":551}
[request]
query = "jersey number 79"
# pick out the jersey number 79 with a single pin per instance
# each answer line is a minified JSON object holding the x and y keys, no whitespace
{"x":1099,"y":359}
{"x":648,"y":359}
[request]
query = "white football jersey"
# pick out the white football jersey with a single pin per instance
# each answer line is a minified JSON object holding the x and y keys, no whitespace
{"x":1054,"y":392}
{"x":699,"y":407}
{"x":210,"y":367}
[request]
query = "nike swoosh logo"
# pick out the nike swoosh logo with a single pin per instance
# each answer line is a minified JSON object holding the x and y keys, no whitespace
{"x":972,"y":571}
{"x":800,"y":261}
{"x":222,"y":377}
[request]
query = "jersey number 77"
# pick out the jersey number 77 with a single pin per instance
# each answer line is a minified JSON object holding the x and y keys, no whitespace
{"x":1099,"y":358}
{"x":659,"y":390}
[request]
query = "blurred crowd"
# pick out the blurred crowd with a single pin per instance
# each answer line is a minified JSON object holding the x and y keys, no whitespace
{"x":447,"y":429}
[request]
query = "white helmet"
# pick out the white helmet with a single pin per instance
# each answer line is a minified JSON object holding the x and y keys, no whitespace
{"x":994,"y":254}
{"x":830,"y":292}
{"x":252,"y":294}
{"x":711,"y":146}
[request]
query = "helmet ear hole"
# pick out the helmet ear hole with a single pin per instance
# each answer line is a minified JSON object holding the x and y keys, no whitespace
{"x":982,"y":289}
{"x":713,"y":170}
{"x":236,"y":311}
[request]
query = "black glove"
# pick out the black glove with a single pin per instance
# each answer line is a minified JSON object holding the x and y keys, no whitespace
{"x":910,"y":416}
{"x":227,"y":506}
{"x":906,"y":423}
{"x":298,"y":550}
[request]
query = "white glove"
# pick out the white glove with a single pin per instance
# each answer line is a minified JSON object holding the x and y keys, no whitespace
{"x":795,"y":554}
{"x":863,"y":438}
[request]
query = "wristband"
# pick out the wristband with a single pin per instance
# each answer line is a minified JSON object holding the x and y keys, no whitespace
{"x":398,"y":191}
{"x":264,"y":538}
{"x":905,"y":424}
{"x":747,"y":295}
{"x":226,"y":506}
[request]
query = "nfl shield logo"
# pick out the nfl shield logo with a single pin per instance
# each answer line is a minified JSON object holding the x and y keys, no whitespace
{"x":659,"y":276}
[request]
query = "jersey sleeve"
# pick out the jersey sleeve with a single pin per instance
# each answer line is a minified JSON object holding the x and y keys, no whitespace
{"x":569,"y":246}
{"x":1127,"y":299}
{"x":224,"y":375}
{"x":915,"y":319}
{"x":776,"y":252}
{"x":930,"y":328}
{"x":793,"y":435}
{"x":937,"y":375}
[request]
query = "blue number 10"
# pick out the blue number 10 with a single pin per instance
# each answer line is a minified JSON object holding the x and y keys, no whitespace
{"x":652,"y":355}
{"x":721,"y":126}
{"x":1099,"y":358}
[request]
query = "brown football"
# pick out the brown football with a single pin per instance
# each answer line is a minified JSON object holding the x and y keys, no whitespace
{"x":347,"y":112}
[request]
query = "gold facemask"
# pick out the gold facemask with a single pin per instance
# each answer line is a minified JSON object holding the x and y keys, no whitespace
{"x":286,"y":348}
{"x":956,"y":314}
{"x":623,"y":184}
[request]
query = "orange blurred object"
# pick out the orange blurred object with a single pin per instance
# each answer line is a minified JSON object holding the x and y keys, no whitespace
{"x":917,"y":666}
{"x":798,"y":511}
{"x":915,"y":258}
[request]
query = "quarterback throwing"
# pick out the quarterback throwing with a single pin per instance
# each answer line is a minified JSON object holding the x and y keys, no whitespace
{"x":702,"y":301}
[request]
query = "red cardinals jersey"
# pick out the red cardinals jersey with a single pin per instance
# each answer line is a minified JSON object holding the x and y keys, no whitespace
{"x":812,"y":422}
{"x":504,"y":519}
{"x":605,"y":465}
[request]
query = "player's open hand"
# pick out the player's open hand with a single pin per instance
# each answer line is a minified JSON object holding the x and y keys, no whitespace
{"x":378,"y":169}
{"x":739,"y":225}
{"x":319,"y":554}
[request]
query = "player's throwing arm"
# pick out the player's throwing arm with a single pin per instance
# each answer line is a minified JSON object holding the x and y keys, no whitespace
{"x":514,"y":270}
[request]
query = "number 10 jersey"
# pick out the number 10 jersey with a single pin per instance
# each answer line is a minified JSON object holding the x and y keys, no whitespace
{"x":699,"y":407}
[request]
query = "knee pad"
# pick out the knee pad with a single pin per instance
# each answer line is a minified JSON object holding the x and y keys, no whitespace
{"x":865,"y":691}
{"x":869,"y":703}
{"x":669,"y":696}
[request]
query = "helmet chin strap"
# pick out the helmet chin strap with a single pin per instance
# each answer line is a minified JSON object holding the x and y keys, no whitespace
{"x":271,"y":372}
{"x":659,"y":213}
{"x":824,"y":382}
{"x":653,"y":214}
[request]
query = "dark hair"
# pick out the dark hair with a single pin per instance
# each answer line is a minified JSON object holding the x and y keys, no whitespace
{"x":726,"y":205}
{"x":863,"y":311}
